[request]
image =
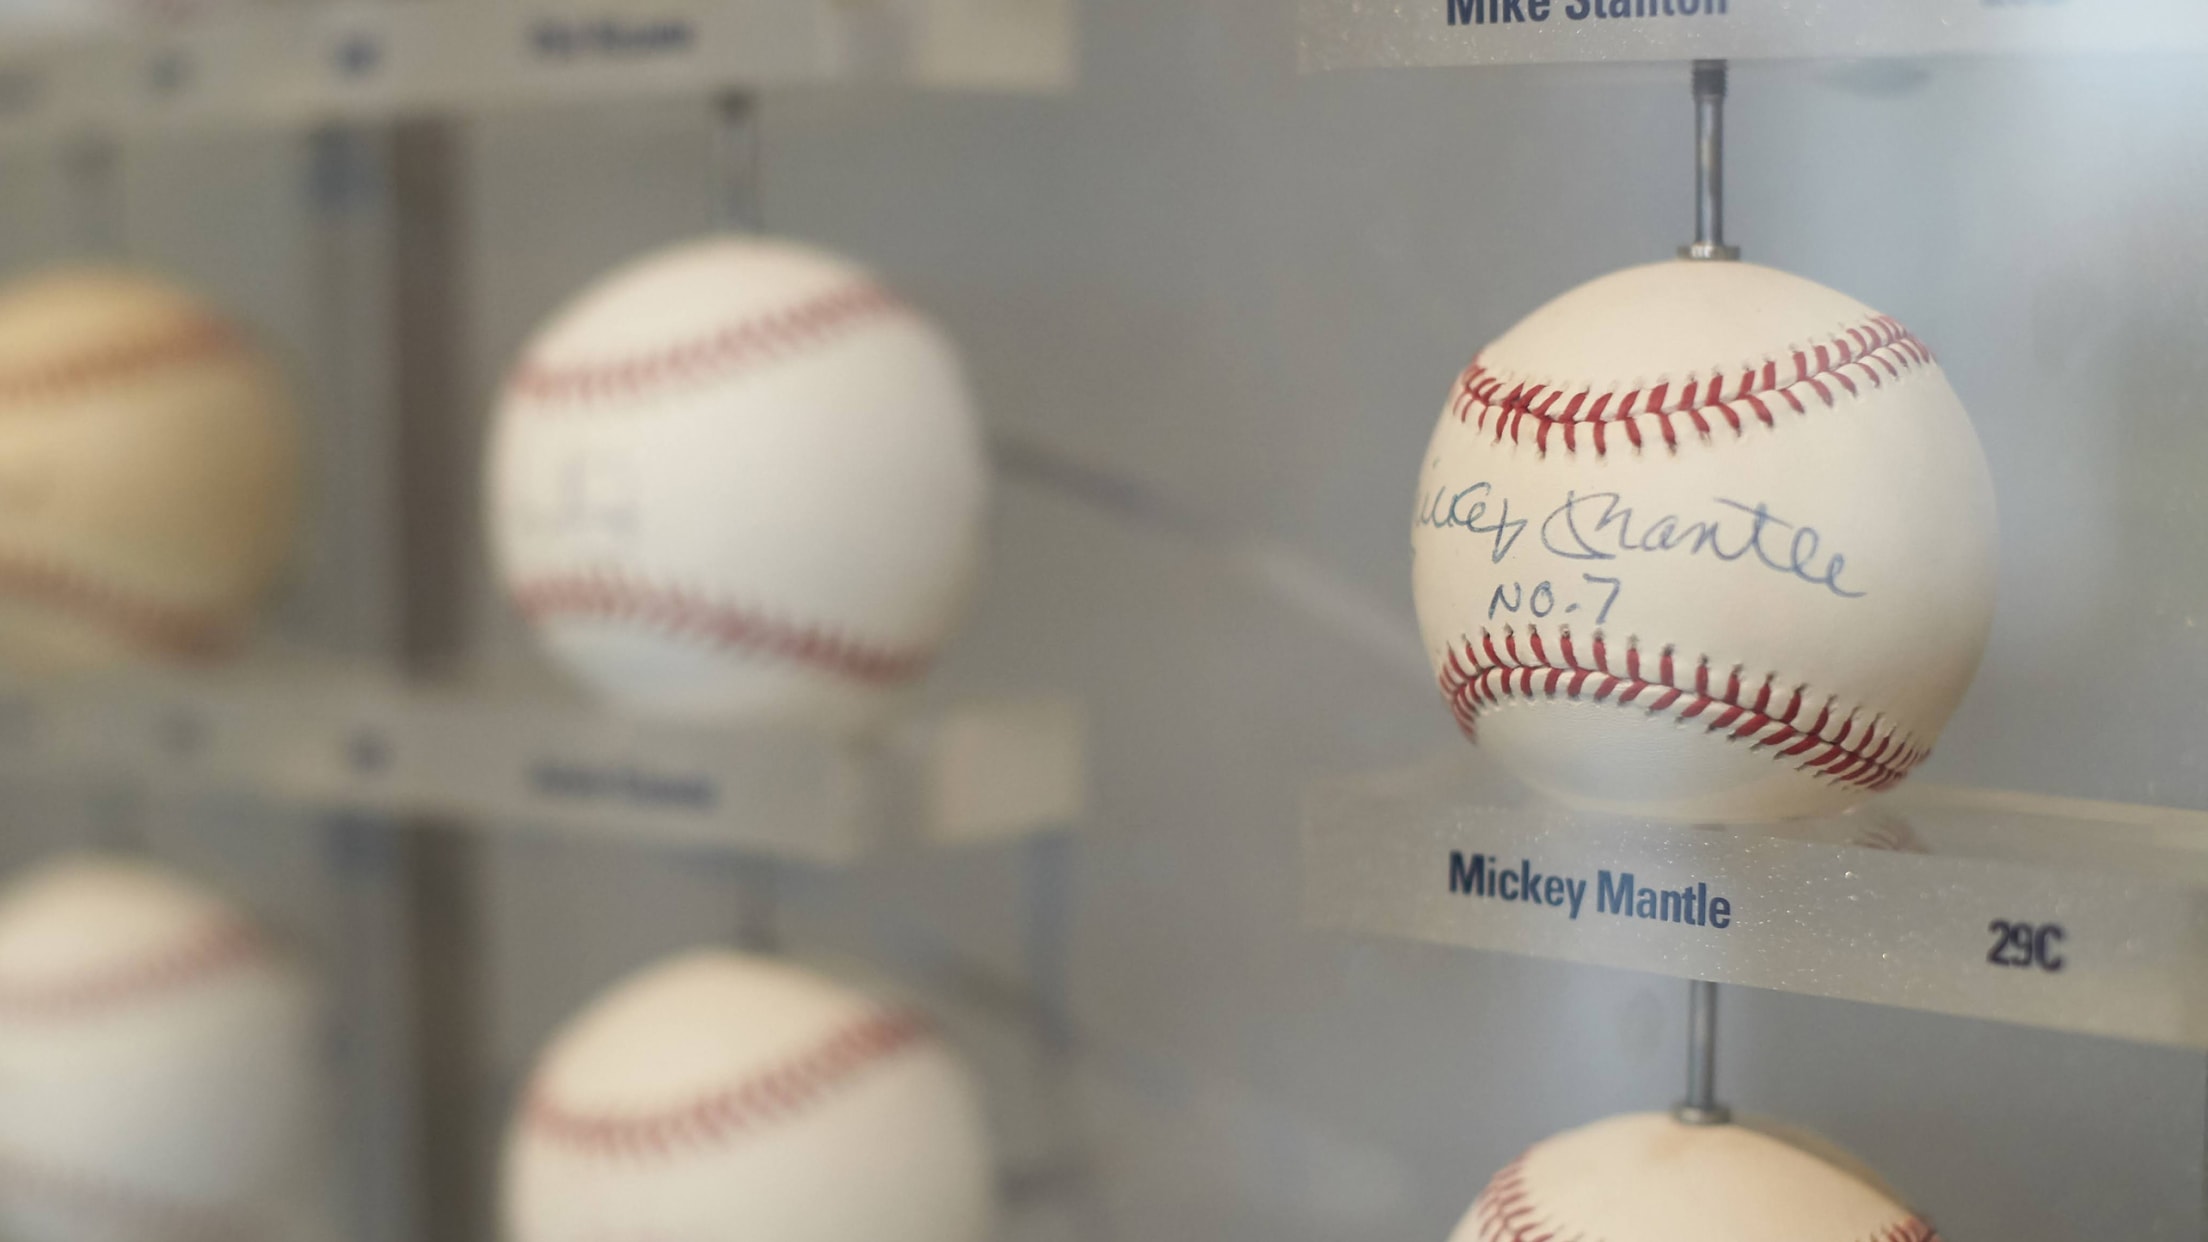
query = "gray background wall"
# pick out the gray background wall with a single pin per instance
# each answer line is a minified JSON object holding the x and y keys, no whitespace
{"x":1251,"y":290}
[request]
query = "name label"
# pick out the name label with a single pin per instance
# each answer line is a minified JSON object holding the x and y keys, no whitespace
{"x":610,"y":38}
{"x":1617,"y":894}
{"x":1509,"y":12}
{"x":571,"y":781}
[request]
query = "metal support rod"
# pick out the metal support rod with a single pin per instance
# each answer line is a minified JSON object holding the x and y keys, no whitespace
{"x":1047,"y":950}
{"x":738,"y":206}
{"x":1701,"y":1107}
{"x":1047,"y":938}
{"x":93,"y":166}
{"x":1709,"y":165}
{"x":436,"y":457}
{"x":367,"y":856}
{"x":374,"y":974}
{"x":758,"y":884}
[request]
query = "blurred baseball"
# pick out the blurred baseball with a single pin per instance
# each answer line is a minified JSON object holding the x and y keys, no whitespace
{"x":738,"y":478}
{"x":156,"y":1059}
{"x":148,"y":470}
{"x":1648,"y":1178}
{"x":720,"y":1096}
{"x":1704,"y":540}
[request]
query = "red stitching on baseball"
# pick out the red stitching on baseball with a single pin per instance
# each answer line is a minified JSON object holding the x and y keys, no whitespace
{"x":1871,"y":354}
{"x":767,"y":337}
{"x":608,"y":595}
{"x":177,"y":632}
{"x":737,"y":1111}
{"x":1506,"y":1212}
{"x":218,"y":947}
{"x":88,"y":1194}
{"x":1835,"y":743}
{"x":184,"y":342}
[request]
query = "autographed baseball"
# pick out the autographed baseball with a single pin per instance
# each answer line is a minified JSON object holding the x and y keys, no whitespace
{"x":156,"y":1059}
{"x":723,"y":1097}
{"x":1648,"y":1178}
{"x":739,"y":478}
{"x":148,"y":467}
{"x":1707,"y":541}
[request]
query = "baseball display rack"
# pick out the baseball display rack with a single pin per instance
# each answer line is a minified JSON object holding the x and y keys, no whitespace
{"x":2048,"y":912}
{"x":972,"y":772}
{"x":390,"y":737}
{"x":406,"y":736}
{"x":1341,"y":34}
{"x":361,"y":61}
{"x":2041,"y":911}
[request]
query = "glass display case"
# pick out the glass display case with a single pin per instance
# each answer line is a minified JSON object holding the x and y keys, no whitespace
{"x":789,"y":620}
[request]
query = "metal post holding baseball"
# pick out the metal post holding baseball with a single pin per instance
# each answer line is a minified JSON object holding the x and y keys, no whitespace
{"x":1709,"y":165}
{"x":738,"y":206}
{"x":1701,"y":1107}
{"x":348,"y":183}
{"x":738,"y":143}
{"x":757,"y":879}
{"x":92,"y":165}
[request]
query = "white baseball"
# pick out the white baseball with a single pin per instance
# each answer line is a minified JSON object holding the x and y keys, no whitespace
{"x":156,"y":1059}
{"x":1648,"y":1178}
{"x":1704,"y":540}
{"x":148,"y":471}
{"x":739,"y":478}
{"x":720,"y":1096}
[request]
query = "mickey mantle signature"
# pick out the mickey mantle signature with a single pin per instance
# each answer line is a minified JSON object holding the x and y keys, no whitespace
{"x":1601,"y":526}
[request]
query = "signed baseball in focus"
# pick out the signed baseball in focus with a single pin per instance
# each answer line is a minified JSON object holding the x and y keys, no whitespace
{"x":719,"y":1097}
{"x":1648,"y":1178}
{"x":1704,"y":540}
{"x":148,"y":471}
{"x":156,"y":1059}
{"x":739,"y":478}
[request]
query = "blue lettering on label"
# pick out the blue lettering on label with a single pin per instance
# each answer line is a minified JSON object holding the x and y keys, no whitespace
{"x":1618,"y":894}
{"x":579,"y":782}
{"x":610,"y":38}
{"x":1512,"y":12}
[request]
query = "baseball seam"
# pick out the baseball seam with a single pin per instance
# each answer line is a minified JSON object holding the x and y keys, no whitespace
{"x":764,"y":338}
{"x":1506,"y":1212}
{"x":178,"y":632}
{"x":606,"y":594}
{"x":1574,"y":415}
{"x":722,"y":1116}
{"x":218,"y":947}
{"x":188,"y":341}
{"x":89,"y":1194}
{"x":181,"y":633}
{"x":1840,"y":744}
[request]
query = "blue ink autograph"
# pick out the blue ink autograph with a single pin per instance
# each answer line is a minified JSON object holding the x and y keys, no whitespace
{"x":1466,"y":509}
{"x":1613,"y":532}
{"x":1600,"y":526}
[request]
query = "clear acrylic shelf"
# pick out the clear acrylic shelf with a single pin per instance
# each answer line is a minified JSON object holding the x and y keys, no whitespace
{"x":1350,"y":34}
{"x":971,"y":772}
{"x":369,"y":60}
{"x":2048,"y":912}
